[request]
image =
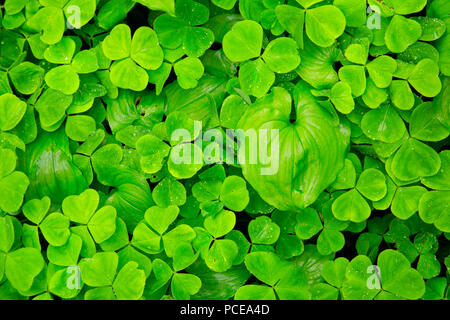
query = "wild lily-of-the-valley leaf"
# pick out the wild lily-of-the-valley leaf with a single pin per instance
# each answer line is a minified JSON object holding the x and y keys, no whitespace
{"x":224,"y":149}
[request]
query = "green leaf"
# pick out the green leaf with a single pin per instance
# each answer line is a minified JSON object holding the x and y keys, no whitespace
{"x":130,"y":282}
{"x":220,"y":224}
{"x":36,"y":209}
{"x":153,"y":151}
{"x":292,"y":19}
{"x":263,"y":231}
{"x":6,"y":234}
{"x":117,"y":45}
{"x":434,"y":208}
{"x":225,"y":4}
{"x":281,"y":55}
{"x":401,"y":95}
{"x":196,"y":41}
{"x":188,"y":71}
{"x":426,"y":123}
{"x":256,"y":78}
{"x":102,"y":225}
{"x":85,"y":62}
{"x":161,"y":218}
{"x":14,"y":185}
{"x":255,"y":292}
{"x":183,"y":257}
{"x":162,"y":5}
{"x":169,"y":192}
{"x":50,"y":22}
{"x":355,"y":77}
{"x":334,"y":271}
{"x":9,"y":161}
{"x":308,"y":3}
{"x":243,"y":41}
{"x":383,"y":124}
{"x":234,"y":194}
{"x":354,"y":11}
{"x":63,"y":79}
{"x":67,"y":254}
{"x":173,"y":238}
{"x":126,"y":74}
{"x":221,"y":255}
{"x":441,"y":180}
{"x":58,"y":283}
{"x":398,"y":277}
{"x":185,"y":160}
{"x":341,"y":96}
{"x":119,"y":239}
{"x":401,"y":33}
{"x":435,"y":289}
{"x":415,"y":159}
{"x":408,"y":6}
{"x":51,"y":107}
{"x":432,"y":28}
{"x":88,"y":248}
{"x":145,"y":49}
{"x":27,"y":77}
{"x":406,"y":201}
{"x":233,"y":108}
{"x":80,"y":127}
{"x":428,"y":266}
{"x":381,"y":70}
{"x":62,"y":52}
{"x":22,"y":267}
{"x":373,"y":97}
{"x":324,"y":24}
{"x":330,"y":241}
{"x":191,"y":12}
{"x":351,"y":206}
{"x":360,"y":283}
{"x":372,"y":184}
{"x":357,"y":53}
{"x":100,"y":270}
{"x":12,"y":110}
{"x":146,"y":240}
{"x":80,"y":208}
{"x":55,"y":229}
{"x":185,"y":285}
{"x":425,"y":78}
{"x":308,"y":224}
{"x":266,"y":266}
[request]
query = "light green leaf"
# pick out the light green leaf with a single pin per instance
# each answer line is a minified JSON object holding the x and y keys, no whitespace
{"x":324,"y":24}
{"x":263,"y":231}
{"x":425,"y":78}
{"x":281,"y":55}
{"x":351,"y":206}
{"x":63,"y":79}
{"x":372,"y":184}
{"x":12,"y":110}
{"x":102,"y":225}
{"x":145,"y":49}
{"x":243,"y":41}
{"x":401,"y":33}
{"x":55,"y":229}
{"x":100,"y":270}
{"x":80,"y":208}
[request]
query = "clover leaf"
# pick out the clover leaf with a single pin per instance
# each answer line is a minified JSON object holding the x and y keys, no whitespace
{"x":132,"y":56}
{"x":263,"y":231}
{"x":401,"y":33}
{"x":243,"y":41}
{"x":324,"y":24}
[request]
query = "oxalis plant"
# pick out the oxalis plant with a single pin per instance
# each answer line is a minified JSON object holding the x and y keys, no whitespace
{"x":224,"y":149}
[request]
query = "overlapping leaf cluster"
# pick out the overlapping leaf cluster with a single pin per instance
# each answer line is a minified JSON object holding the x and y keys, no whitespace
{"x":93,"y":206}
